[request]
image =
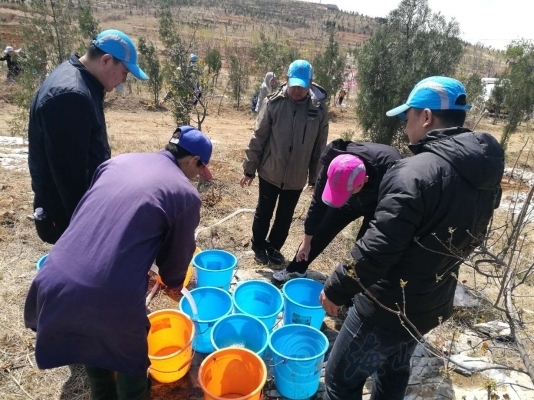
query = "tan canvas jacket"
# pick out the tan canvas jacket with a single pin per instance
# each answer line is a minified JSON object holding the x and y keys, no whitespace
{"x":288,"y":139}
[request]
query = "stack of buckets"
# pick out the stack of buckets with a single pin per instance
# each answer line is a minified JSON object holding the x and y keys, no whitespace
{"x":239,"y":332}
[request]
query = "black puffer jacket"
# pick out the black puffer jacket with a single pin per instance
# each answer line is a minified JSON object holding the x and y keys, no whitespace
{"x":378,"y":158}
{"x":441,"y":198}
{"x":67,"y":137}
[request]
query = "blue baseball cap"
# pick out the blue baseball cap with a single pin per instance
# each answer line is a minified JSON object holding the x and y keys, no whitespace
{"x":434,"y":93}
{"x":195,"y":142}
{"x":300,"y":73}
{"x":120,"y":46}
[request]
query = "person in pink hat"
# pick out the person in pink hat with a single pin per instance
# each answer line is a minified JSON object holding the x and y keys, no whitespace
{"x":346,"y":190}
{"x":346,"y":176}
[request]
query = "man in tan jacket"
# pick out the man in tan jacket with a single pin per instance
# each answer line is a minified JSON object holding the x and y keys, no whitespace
{"x":290,"y":135}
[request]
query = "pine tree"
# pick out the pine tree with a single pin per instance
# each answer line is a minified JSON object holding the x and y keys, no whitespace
{"x":149,"y":62}
{"x":238,"y":75}
{"x":328,"y":67}
{"x":413,"y":45}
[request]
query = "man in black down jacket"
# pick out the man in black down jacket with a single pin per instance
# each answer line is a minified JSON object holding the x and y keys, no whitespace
{"x":323,"y":221}
{"x":67,"y":130}
{"x":442,"y":198}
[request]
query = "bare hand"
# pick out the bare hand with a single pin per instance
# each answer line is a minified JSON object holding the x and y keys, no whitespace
{"x":310,"y":188}
{"x":245,"y":180}
{"x":303,"y":252}
{"x":328,"y":306}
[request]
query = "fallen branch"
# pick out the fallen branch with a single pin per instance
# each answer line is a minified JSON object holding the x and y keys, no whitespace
{"x":515,"y":328}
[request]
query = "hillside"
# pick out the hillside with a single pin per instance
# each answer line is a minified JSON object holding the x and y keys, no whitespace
{"x":236,"y":25}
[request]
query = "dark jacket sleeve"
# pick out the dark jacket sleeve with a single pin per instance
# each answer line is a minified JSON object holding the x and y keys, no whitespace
{"x":179,"y":246}
{"x":67,"y":120}
{"x":320,"y":144}
{"x":397,"y":217}
{"x":318,"y":208}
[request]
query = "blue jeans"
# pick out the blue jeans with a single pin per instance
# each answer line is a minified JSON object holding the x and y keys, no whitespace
{"x":362,"y":350}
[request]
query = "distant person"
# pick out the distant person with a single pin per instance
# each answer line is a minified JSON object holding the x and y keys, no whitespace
{"x":432,"y":209}
{"x":190,"y":80}
{"x":346,"y":190}
{"x":67,"y":129}
{"x":197,"y":88}
{"x":87,"y":303}
{"x":289,"y":137}
{"x":265,"y":89}
{"x":13,"y":63}
{"x":341,"y":97}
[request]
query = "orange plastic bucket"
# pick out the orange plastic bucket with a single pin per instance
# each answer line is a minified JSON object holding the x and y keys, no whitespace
{"x":169,"y":345}
{"x":189,"y":273}
{"x":232,"y":373}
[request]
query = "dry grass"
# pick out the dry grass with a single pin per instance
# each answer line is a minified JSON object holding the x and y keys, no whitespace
{"x":132,"y":128}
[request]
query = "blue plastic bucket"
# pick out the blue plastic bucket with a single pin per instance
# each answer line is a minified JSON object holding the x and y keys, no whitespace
{"x":213,"y":304}
{"x":240,"y":330}
{"x":259,"y":299}
{"x":301,"y":305}
{"x":40,"y":262}
{"x":214,"y":268}
{"x":298,"y":353}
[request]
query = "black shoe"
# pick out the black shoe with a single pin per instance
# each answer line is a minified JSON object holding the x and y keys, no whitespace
{"x":261,"y":257}
{"x":275,"y":257}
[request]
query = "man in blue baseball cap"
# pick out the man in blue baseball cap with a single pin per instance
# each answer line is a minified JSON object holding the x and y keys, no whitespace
{"x":433,"y":210}
{"x":289,"y":137}
{"x":121,"y":47}
{"x":191,"y":140}
{"x":87,"y":304}
{"x":67,"y":129}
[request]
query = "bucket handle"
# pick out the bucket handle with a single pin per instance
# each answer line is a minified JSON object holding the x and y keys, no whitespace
{"x":197,"y":332}
{"x":179,"y":369}
{"x":278,"y":363}
{"x":235,"y":273}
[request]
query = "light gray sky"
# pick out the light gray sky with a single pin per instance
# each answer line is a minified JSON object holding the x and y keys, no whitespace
{"x":492,"y":22}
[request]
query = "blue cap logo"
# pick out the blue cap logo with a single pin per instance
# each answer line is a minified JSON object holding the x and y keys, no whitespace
{"x":120,"y":46}
{"x":434,"y":93}
{"x":300,"y":73}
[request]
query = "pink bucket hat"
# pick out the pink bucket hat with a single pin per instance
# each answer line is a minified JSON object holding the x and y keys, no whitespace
{"x":344,"y":174}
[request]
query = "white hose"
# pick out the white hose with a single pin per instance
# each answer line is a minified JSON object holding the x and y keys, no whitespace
{"x":190,"y":298}
{"x":152,"y":293}
{"x":236,"y":212}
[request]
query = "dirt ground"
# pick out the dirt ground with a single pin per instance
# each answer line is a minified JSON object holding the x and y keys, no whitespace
{"x":132,"y":128}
